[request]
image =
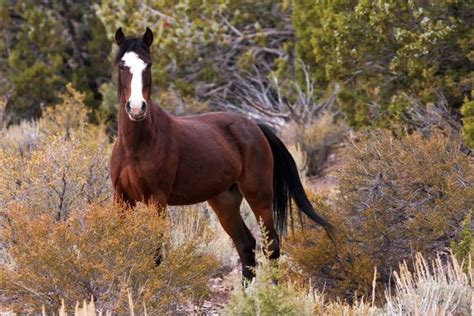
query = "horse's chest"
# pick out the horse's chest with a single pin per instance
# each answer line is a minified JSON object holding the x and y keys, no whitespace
{"x":138,"y":181}
{"x":143,"y":180}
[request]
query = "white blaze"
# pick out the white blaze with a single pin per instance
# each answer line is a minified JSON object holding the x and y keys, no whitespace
{"x":136,"y":65}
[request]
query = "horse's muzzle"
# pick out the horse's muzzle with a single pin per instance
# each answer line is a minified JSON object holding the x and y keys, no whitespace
{"x":136,"y":113}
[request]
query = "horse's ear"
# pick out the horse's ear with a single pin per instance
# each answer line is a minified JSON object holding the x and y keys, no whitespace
{"x":148,"y":37}
{"x":119,"y":36}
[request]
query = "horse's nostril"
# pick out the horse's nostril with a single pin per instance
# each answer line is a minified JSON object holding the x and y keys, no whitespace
{"x":127,"y":107}
{"x":143,"y":106}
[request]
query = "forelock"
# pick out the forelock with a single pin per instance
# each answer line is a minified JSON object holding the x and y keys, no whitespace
{"x":132,"y":44}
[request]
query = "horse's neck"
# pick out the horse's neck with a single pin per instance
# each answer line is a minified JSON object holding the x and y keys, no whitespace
{"x":137,"y":135}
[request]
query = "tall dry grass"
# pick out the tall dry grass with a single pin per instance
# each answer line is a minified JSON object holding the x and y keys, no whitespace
{"x":434,"y":287}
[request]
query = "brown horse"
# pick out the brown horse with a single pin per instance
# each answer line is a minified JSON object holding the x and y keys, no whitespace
{"x":217,"y":157}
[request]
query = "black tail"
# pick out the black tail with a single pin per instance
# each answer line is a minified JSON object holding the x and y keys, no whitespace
{"x":287,"y":185}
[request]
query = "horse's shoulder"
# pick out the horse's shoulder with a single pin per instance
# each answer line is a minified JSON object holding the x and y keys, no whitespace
{"x":117,"y":155}
{"x":117,"y":147}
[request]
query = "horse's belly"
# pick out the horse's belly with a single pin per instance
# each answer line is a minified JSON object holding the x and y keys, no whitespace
{"x":204,"y":181}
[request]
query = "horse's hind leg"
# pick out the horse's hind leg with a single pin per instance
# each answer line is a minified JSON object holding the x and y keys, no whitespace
{"x":256,"y":185}
{"x":227,"y":207}
{"x":259,"y":195}
{"x":256,"y":180}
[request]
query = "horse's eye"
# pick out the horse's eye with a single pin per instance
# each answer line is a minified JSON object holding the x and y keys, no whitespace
{"x":121,"y":67}
{"x":148,"y":66}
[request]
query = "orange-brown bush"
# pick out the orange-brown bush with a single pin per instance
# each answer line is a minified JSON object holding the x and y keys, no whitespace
{"x":318,"y":140}
{"x":101,"y":251}
{"x":59,"y":163}
{"x":398,"y":195}
{"x":173,"y":102}
{"x":70,"y":114}
{"x":60,"y":174}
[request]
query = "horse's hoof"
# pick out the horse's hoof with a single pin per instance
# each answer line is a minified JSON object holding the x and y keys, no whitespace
{"x":158,"y":257}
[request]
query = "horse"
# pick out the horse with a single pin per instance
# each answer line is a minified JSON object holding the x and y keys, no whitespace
{"x":218,"y":157}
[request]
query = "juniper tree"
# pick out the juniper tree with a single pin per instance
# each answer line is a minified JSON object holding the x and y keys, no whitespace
{"x":46,"y":45}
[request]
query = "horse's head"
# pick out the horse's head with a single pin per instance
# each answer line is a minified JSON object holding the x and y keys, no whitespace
{"x":134,"y":81}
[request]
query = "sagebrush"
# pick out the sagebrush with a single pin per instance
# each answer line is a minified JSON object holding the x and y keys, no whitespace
{"x":103,"y":252}
{"x":398,"y":194}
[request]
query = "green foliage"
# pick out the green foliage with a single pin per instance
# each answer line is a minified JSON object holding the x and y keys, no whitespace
{"x":464,"y":249}
{"x":48,"y":46}
{"x":200,"y":47}
{"x":400,"y":192}
{"x":277,"y":290}
{"x":264,"y":296}
{"x":387,"y":55}
{"x":397,"y":195}
{"x":467,"y":111}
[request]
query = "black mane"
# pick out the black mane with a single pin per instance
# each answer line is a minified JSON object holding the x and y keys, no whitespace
{"x":132,"y":44}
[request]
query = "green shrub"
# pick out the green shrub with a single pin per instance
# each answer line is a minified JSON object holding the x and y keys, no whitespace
{"x":277,"y":290}
{"x":387,"y":54}
{"x":429,"y":287}
{"x":463,"y":249}
{"x":269,"y":293}
{"x":467,"y":111}
{"x":46,"y":48}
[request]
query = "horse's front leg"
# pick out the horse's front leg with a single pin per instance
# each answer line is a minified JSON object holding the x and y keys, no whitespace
{"x":121,"y":198}
{"x":159,"y":201}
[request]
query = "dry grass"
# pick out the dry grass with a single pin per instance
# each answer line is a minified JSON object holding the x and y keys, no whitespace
{"x":263,"y":296}
{"x":56,"y":164}
{"x":20,"y":139}
{"x":58,"y":175}
{"x":62,"y":238}
{"x":436,"y":287}
{"x":199,"y":221}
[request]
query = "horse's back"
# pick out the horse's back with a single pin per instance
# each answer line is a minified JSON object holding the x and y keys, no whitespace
{"x":213,"y":119}
{"x":211,"y":151}
{"x":234,"y":126}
